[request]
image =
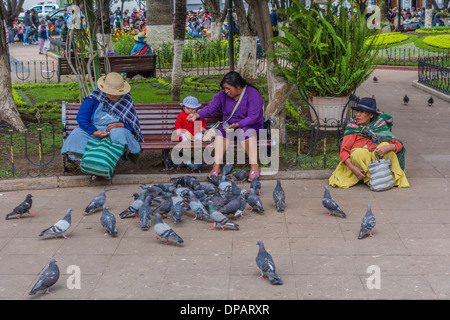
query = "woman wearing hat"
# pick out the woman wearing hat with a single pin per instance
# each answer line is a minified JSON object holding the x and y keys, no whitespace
{"x":141,"y":47}
{"x":108,"y":110}
{"x":368,"y":131}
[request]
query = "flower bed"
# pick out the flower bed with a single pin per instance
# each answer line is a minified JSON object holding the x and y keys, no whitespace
{"x":439,"y":41}
{"x":438,"y":29}
{"x":385,"y":39}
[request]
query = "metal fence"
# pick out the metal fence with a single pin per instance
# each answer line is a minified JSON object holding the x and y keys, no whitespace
{"x":434,"y":72}
{"x":407,"y":56}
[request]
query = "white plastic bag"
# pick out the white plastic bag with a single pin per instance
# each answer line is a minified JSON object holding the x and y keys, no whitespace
{"x":46,"y":45}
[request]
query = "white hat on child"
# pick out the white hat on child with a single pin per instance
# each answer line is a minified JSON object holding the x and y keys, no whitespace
{"x":190,"y":102}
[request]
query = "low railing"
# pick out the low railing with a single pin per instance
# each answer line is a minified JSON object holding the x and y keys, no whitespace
{"x":434,"y":72}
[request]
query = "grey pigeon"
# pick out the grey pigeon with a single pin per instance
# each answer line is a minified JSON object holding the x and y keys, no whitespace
{"x":134,"y":207}
{"x":233,"y":207}
{"x":255,"y":202}
{"x":256,"y":185}
{"x":96,"y":203}
{"x":60,"y":227}
{"x":367,"y":224}
{"x":279,"y":197}
{"x":215,"y":180}
{"x":195,"y":167}
{"x":266,"y":265}
{"x":405,"y":99}
{"x":217,"y":200}
{"x":220,"y":220}
{"x":47,"y":279}
{"x":240,"y":175}
{"x":166,"y":187}
{"x":198,"y":208}
{"x":224,"y":185}
{"x":331,"y":205}
{"x":227,"y":168}
{"x":145,"y":213}
{"x":22,"y":208}
{"x":208,"y":188}
{"x":177,"y":212}
{"x":375,"y":79}
{"x":163,"y":230}
{"x":108,"y":222}
{"x":430,"y":101}
{"x":153,"y":190}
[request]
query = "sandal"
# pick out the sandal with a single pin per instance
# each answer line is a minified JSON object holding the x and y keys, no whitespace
{"x":252,"y":175}
{"x":214,"y":173}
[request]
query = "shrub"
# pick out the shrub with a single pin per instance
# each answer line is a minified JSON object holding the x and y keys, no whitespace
{"x":440,"y":41}
{"x":385,"y":39}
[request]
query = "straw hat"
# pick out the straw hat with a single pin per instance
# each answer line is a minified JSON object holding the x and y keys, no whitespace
{"x":113,"y":84}
{"x":141,"y":35}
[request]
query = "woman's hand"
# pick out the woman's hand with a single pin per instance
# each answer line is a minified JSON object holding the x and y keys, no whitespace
{"x":381,"y":151}
{"x":234,"y":126}
{"x":100,"y":134}
{"x":114,"y":125}
{"x":192,"y":117}
{"x":357,"y":171}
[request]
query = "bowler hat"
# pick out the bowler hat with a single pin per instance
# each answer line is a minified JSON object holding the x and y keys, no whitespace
{"x":368,"y":105}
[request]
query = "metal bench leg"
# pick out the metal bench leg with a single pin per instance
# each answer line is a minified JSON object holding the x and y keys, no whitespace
{"x":166,"y":159}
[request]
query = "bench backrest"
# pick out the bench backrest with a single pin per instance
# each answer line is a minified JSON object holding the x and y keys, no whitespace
{"x":145,"y":63}
{"x":157,"y":119}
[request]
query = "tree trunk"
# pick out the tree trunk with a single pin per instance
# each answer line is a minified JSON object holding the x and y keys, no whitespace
{"x":8,"y":110}
{"x":159,"y":23}
{"x":279,"y":87}
{"x":178,"y":46}
{"x":428,"y":14}
{"x":247,"y":51}
{"x":217,"y":17}
{"x":102,"y":26}
{"x":12,"y":7}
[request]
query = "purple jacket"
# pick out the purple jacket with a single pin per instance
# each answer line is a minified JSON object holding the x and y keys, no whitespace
{"x":249,"y":114}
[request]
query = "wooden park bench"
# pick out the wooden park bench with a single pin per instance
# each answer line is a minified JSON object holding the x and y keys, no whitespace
{"x":157,"y":122}
{"x":144,"y":65}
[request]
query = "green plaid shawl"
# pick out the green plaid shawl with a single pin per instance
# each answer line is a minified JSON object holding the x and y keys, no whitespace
{"x":378,"y":131}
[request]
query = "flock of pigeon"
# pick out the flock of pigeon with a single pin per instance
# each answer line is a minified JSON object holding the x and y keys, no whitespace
{"x":221,"y":201}
{"x":406,"y":98}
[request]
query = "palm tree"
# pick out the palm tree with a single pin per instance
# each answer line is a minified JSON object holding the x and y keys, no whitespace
{"x":178,"y":46}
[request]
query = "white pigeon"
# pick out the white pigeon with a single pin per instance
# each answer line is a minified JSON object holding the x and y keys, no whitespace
{"x":60,"y":227}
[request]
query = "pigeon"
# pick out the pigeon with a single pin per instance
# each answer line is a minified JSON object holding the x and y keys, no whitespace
{"x":255,"y":202}
{"x":134,"y":207}
{"x":266,"y":265}
{"x":98,"y":202}
{"x":153,"y":190}
{"x":145,"y":213}
{"x":367,"y":224}
{"x":198,"y":208}
{"x":47,"y":279}
{"x":22,"y":208}
{"x":227,"y":168}
{"x":430,"y":101}
{"x":215,"y":180}
{"x":60,"y":227}
{"x":224,"y":185}
{"x":177,"y":212}
{"x":220,"y":220}
{"x":208,"y":188}
{"x":217,"y":200}
{"x":279,"y":197}
{"x":375,"y":79}
{"x":163,"y":230}
{"x":108,"y":222}
{"x":240,"y":175}
{"x":195,"y":167}
{"x":405,"y":99}
{"x":231,"y":207}
{"x":166,"y":187}
{"x":331,"y":205}
{"x":256,"y":185}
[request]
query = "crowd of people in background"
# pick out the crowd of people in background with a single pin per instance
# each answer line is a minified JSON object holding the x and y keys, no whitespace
{"x":411,"y":19}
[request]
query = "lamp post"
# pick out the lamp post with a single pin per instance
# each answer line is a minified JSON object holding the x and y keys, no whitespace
{"x":230,"y":35}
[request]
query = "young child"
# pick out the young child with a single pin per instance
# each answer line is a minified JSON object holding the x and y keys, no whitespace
{"x":42,"y":37}
{"x":185,"y":130}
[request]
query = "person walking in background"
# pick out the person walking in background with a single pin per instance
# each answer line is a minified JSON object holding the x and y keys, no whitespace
{"x":27,"y":23}
{"x":58,"y":24}
{"x":10,"y":25}
{"x":35,"y":25}
{"x":42,"y":36}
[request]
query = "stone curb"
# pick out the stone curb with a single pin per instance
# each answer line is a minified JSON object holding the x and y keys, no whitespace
{"x":431,"y":91}
{"x":128,"y":179}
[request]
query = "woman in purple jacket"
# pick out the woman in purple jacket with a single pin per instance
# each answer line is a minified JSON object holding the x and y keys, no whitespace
{"x":247,"y":120}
